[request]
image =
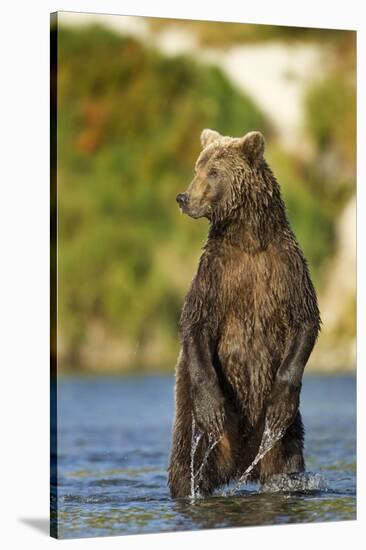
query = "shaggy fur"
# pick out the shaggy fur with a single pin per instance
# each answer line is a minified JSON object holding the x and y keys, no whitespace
{"x":249,"y":321}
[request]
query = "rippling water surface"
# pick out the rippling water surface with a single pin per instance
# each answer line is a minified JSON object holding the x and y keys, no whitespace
{"x":113,"y":448}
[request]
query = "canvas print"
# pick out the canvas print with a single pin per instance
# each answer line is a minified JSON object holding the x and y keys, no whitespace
{"x":203,"y":290}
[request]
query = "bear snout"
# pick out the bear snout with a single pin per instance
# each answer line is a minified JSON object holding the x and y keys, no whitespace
{"x":182,"y":199}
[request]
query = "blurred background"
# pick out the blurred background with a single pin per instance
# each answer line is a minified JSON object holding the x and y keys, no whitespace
{"x":134,"y":94}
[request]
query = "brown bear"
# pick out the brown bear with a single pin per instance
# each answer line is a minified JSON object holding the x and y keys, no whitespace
{"x":248,"y":325}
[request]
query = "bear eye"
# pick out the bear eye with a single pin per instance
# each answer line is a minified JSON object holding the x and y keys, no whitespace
{"x":213,"y":173}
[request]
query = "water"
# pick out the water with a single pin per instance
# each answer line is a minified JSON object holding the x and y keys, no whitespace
{"x":113,"y":449}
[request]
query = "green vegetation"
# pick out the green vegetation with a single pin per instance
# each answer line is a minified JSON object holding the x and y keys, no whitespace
{"x":332,"y":114}
{"x":330,"y":107}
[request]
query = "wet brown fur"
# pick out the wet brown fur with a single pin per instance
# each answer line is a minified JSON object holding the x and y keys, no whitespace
{"x":251,"y":293}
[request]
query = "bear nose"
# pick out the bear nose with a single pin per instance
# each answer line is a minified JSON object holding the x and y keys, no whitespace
{"x":182,"y":199}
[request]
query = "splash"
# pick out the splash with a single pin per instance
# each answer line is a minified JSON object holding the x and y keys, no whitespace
{"x":196,"y":438}
{"x":269,"y":439}
{"x":196,"y":477}
{"x":303,"y":482}
{"x":296,"y":482}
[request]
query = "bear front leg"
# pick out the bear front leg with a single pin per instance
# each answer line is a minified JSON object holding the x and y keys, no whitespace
{"x":206,"y":394}
{"x":283,"y":402}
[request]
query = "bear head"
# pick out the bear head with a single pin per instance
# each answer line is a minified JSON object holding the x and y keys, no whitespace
{"x":228,"y":172}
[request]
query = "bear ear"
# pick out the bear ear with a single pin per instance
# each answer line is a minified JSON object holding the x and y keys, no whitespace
{"x":209,"y":136}
{"x":252,"y":145}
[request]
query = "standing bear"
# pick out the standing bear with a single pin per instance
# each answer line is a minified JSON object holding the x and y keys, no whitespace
{"x":248,"y":325}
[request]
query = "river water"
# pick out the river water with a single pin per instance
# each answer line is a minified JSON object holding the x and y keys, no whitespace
{"x":113,"y":449}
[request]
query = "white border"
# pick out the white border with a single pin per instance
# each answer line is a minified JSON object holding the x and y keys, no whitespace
{"x":24,"y":198}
